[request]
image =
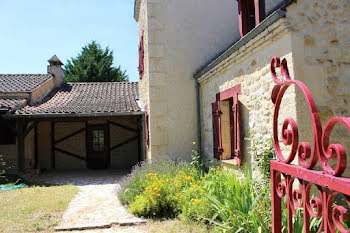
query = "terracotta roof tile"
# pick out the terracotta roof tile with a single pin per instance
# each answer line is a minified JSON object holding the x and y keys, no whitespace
{"x":22,"y":82}
{"x":87,"y":98}
{"x":11,"y":103}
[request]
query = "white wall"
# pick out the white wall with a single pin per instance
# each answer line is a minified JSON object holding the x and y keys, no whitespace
{"x":182,"y":36}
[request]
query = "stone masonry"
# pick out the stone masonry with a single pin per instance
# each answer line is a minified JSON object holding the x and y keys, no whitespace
{"x":175,"y":46}
{"x":314,"y":38}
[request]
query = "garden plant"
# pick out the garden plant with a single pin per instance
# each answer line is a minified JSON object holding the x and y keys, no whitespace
{"x":223,"y":199}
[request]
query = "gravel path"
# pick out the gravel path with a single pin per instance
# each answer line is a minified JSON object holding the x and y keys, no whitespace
{"x":96,"y":206}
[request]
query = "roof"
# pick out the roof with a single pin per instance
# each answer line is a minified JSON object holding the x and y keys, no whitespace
{"x":11,"y":103}
{"x":22,"y":82}
{"x":88,"y":98}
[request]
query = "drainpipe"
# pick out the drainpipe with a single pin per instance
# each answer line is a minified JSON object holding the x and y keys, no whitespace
{"x":199,"y":131}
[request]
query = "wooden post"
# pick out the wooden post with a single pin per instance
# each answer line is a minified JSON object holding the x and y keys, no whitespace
{"x":86,"y":142}
{"x":20,"y":145}
{"x":108,"y":143}
{"x":53,"y":157}
{"x":36,"y":151}
{"x":139,"y":128}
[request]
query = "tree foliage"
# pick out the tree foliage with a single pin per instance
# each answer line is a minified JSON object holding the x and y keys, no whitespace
{"x":94,"y":64}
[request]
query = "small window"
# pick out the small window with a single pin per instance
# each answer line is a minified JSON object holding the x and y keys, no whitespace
{"x":226,"y":125}
{"x":98,"y":140}
{"x":250,"y":14}
{"x":7,"y":135}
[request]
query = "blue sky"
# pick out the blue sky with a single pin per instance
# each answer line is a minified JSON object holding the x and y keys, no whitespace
{"x":31,"y":31}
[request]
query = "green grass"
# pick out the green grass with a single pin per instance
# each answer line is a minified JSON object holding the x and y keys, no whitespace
{"x":34,"y":209}
{"x":164,"y":226}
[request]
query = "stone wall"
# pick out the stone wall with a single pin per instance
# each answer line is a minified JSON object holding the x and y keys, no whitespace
{"x":321,"y":50}
{"x":250,"y":67}
{"x":314,"y":37}
{"x":40,"y":92}
{"x":142,"y":20}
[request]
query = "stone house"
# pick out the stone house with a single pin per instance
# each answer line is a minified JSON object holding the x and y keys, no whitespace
{"x":205,"y":71}
{"x":48,"y":124}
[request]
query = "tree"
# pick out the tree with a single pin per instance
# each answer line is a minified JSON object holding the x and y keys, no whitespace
{"x":94,"y":64}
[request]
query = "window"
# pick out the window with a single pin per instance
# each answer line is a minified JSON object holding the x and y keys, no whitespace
{"x":141,"y":56}
{"x":250,"y":14}
{"x":7,"y":135}
{"x":146,"y":127}
{"x":98,"y":140}
{"x":226,"y":125}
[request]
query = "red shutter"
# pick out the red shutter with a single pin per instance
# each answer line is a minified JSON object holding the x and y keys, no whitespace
{"x":236,"y":130}
{"x":217,"y":142}
{"x":247,"y":9}
{"x":259,"y":11}
{"x":243,"y":17}
{"x":146,"y":128}
{"x":141,"y":56}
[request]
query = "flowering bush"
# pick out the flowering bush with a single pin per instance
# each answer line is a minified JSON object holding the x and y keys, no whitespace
{"x":155,"y":190}
{"x":214,"y":196}
{"x":157,"y":198}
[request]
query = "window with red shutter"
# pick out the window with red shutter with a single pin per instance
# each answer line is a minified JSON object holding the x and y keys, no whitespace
{"x":141,"y":56}
{"x":217,"y":130}
{"x":250,"y":14}
{"x":146,"y":128}
{"x":226,"y":125}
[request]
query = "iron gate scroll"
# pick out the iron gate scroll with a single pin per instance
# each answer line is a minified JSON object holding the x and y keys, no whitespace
{"x":328,"y":184}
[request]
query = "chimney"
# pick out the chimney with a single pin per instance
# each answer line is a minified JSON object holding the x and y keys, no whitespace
{"x":56,"y":70}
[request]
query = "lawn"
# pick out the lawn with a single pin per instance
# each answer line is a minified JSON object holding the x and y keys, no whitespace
{"x":165,"y":226}
{"x":34,"y":209}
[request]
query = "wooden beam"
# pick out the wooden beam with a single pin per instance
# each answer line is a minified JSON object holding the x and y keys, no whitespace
{"x":70,"y":135}
{"x":69,"y":153}
{"x":108,"y":143}
{"x":123,"y":126}
{"x":20,"y":145}
{"x":123,"y":143}
{"x":139,"y":138}
{"x":86,"y":140}
{"x":52,"y":134}
{"x":27,"y":130}
{"x":36,"y":150}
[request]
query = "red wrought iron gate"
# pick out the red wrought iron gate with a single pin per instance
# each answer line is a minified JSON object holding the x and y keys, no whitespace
{"x":328,"y":182}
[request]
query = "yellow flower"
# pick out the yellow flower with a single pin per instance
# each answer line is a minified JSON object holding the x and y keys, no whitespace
{"x":186,"y":178}
{"x":194,"y":143}
{"x":196,"y":202}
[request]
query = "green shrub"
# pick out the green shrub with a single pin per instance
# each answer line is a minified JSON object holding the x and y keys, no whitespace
{"x":157,"y":199}
{"x":237,"y":204}
{"x":133,"y":184}
{"x":193,"y":202}
{"x":214,"y":196}
{"x":154,"y":190}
